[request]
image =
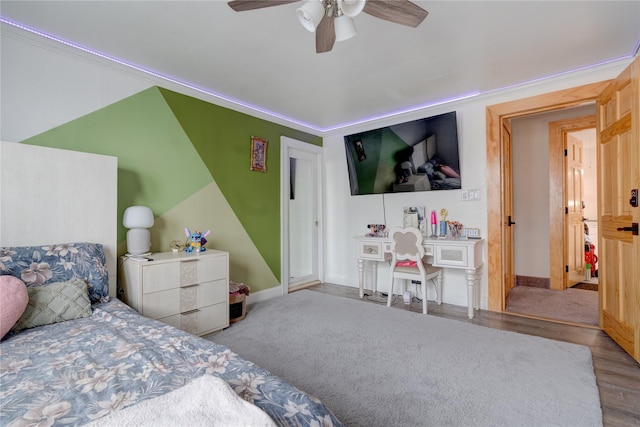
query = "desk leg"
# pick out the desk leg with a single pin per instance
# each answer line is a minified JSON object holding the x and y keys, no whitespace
{"x":471,"y":290}
{"x":361,"y":277}
{"x":439,"y":287}
{"x":477,"y":290}
{"x":374,"y":277}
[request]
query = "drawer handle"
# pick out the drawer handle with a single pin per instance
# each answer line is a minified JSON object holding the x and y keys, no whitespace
{"x":190,"y":260}
{"x":195,"y":310}
{"x":188,"y":286}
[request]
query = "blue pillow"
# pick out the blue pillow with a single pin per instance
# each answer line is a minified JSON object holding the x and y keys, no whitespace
{"x":42,"y":265}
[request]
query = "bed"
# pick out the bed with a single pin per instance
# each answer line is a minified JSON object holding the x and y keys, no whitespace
{"x":76,"y":355}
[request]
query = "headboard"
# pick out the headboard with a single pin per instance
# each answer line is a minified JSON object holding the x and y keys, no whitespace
{"x":49,"y":195}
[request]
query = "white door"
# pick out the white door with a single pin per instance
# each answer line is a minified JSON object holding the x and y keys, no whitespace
{"x":301,"y":213}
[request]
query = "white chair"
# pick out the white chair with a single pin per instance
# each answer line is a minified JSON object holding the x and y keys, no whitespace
{"x":406,"y":245}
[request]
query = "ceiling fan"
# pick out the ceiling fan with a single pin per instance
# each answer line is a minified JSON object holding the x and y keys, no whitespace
{"x":331,"y":19}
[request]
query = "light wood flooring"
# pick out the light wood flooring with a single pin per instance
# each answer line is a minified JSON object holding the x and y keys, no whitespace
{"x":617,"y":374}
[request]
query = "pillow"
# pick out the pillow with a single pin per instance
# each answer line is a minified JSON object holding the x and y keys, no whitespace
{"x":449,"y":171}
{"x":41,"y":265}
{"x":56,"y":302}
{"x":431,"y":147}
{"x":13,"y":300}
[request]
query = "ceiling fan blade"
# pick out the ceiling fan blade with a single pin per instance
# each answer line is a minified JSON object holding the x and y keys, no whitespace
{"x":325,"y":35}
{"x":242,"y":5}
{"x":399,"y":11}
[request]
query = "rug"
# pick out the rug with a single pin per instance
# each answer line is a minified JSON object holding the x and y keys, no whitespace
{"x":587,"y":286}
{"x":379,"y":366}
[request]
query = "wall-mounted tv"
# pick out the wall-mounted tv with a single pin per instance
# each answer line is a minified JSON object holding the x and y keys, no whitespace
{"x":421,"y":155}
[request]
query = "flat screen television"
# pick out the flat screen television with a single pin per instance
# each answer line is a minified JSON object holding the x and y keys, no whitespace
{"x":421,"y":155}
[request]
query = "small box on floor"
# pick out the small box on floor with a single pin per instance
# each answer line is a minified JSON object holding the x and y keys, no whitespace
{"x":237,"y":301}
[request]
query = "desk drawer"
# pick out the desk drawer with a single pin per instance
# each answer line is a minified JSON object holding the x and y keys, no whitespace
{"x":371,"y":250}
{"x":428,"y":248}
{"x":451,"y":255}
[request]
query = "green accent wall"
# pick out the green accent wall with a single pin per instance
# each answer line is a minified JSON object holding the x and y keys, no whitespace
{"x":170,"y":146}
{"x":222,"y":137}
{"x":157,"y":164}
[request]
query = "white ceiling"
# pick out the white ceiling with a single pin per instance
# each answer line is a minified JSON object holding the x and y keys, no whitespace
{"x":266,"y":59}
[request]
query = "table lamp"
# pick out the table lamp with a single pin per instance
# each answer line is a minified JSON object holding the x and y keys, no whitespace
{"x":138,"y":219}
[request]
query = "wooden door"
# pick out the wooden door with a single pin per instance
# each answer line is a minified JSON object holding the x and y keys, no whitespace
{"x":509,"y":275}
{"x":574,"y":227}
{"x":618,"y":122}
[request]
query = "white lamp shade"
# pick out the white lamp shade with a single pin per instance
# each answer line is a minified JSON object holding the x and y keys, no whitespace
{"x":310,"y":14}
{"x":351,"y":8}
{"x":345,"y":28}
{"x":138,"y":241}
{"x":137,"y":217}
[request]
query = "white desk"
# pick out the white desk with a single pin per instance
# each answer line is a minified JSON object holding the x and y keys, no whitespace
{"x":458,"y":254}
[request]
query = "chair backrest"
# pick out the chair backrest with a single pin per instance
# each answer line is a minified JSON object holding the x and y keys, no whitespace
{"x":406,"y":244}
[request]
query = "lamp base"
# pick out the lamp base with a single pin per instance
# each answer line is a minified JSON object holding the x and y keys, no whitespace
{"x":138,"y":241}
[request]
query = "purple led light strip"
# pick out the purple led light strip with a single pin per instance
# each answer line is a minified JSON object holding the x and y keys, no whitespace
{"x":153,"y":73}
{"x":289,"y":119}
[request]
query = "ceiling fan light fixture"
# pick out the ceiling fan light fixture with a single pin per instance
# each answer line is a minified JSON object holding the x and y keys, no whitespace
{"x":310,"y":14}
{"x":345,"y":28}
{"x":351,"y":8}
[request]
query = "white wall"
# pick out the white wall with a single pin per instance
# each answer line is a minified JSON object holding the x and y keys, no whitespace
{"x":44,"y":85}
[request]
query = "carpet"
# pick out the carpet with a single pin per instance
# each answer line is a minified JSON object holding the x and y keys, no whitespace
{"x":572,"y":305}
{"x":379,"y":366}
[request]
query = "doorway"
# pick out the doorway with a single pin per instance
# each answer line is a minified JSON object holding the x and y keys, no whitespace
{"x":501,"y":273}
{"x":618,"y":156}
{"x":552,"y":159}
{"x":301,"y":214}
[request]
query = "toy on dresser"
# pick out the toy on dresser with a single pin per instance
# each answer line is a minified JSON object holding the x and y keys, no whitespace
{"x":196,"y":240}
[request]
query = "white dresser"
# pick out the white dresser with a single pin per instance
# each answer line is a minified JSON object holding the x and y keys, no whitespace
{"x":187,"y":290}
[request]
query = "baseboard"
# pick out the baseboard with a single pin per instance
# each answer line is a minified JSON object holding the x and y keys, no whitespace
{"x":303,"y":286}
{"x":277,"y":291}
{"x":264,"y":295}
{"x":536,"y":282}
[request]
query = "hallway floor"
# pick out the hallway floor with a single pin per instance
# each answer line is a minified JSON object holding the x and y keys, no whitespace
{"x":571,"y":305}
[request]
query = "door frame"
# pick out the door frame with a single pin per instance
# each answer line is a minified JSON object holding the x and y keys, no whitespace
{"x":498,"y":147}
{"x":557,"y":176}
{"x":286,"y":144}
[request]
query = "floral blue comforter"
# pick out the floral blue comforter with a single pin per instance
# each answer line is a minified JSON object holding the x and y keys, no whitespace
{"x":73,"y":372}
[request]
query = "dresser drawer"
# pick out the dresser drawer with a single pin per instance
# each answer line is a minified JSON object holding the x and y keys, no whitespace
{"x":212,"y":293}
{"x":212,"y":268}
{"x":161,"y":304}
{"x":200,"y":321}
{"x":212,"y":318}
{"x":160,"y":277}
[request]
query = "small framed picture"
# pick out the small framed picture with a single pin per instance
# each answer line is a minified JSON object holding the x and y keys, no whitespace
{"x":360,"y":150}
{"x":414,"y":217}
{"x":258,"y":154}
